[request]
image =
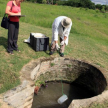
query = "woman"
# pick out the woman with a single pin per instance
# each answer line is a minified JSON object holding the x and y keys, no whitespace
{"x":14,"y":11}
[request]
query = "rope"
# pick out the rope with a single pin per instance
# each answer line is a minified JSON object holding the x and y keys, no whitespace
{"x":62,"y":87}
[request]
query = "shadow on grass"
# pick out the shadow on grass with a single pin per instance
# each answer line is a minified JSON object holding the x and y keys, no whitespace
{"x":3,"y":42}
{"x":47,"y":51}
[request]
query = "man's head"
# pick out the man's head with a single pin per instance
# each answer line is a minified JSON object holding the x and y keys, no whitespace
{"x":66,"y":22}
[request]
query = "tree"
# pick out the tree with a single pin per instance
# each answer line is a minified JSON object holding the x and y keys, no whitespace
{"x":98,"y":6}
{"x":106,"y":7}
{"x":39,"y":1}
{"x":78,"y":3}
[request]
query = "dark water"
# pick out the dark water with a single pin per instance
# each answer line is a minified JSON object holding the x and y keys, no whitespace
{"x":47,"y":96}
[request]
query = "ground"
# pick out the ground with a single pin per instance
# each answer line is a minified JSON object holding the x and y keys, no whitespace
{"x":3,"y":104}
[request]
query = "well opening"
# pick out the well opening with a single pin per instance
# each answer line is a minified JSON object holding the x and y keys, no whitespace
{"x":47,"y":96}
{"x":83,"y":76}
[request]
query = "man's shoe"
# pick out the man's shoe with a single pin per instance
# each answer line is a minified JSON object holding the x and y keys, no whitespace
{"x":51,"y":53}
{"x":62,"y":54}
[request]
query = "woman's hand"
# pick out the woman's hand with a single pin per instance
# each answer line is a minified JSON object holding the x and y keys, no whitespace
{"x":19,"y":13}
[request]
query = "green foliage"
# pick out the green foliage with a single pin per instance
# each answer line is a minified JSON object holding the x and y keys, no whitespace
{"x":31,"y":0}
{"x":38,"y":83}
{"x":44,"y":1}
{"x":97,"y":10}
{"x":103,"y":9}
{"x":73,"y":3}
{"x":99,"y":6}
{"x":106,"y":8}
{"x":52,"y":64}
{"x":78,"y":3}
{"x":68,"y":65}
{"x":39,"y":1}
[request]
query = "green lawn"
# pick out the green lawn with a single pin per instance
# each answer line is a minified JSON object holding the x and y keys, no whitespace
{"x":88,"y":38}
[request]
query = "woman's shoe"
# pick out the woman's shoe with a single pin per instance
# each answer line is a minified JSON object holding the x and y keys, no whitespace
{"x":11,"y":53}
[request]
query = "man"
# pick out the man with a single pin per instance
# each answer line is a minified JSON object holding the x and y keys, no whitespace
{"x":60,"y":27}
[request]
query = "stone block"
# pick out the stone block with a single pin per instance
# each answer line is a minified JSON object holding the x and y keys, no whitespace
{"x":27,"y":103}
{"x":44,"y":66}
{"x":34,"y":72}
{"x":19,"y":98}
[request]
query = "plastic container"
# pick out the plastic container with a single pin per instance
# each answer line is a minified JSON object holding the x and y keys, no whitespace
{"x":62,"y":99}
{"x":27,"y":40}
{"x":38,"y":35}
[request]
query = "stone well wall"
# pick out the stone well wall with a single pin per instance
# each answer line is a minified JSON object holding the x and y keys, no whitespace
{"x":50,"y":69}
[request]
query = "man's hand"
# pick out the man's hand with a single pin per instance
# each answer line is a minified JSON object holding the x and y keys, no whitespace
{"x":57,"y":46}
{"x":62,"y":43}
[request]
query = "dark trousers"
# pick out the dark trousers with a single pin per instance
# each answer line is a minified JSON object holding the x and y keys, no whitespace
{"x":13,"y":36}
{"x":62,"y":47}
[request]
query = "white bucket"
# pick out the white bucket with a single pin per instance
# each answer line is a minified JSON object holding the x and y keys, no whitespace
{"x":62,"y":99}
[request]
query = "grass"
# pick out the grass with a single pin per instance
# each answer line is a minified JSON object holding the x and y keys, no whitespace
{"x":88,"y":39}
{"x":52,"y":64}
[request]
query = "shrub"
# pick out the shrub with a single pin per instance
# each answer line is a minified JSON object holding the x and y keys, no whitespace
{"x":44,"y":1}
{"x":103,"y":9}
{"x":97,"y":10}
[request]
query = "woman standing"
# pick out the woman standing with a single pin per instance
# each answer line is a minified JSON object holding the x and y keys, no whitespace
{"x":14,"y":11}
